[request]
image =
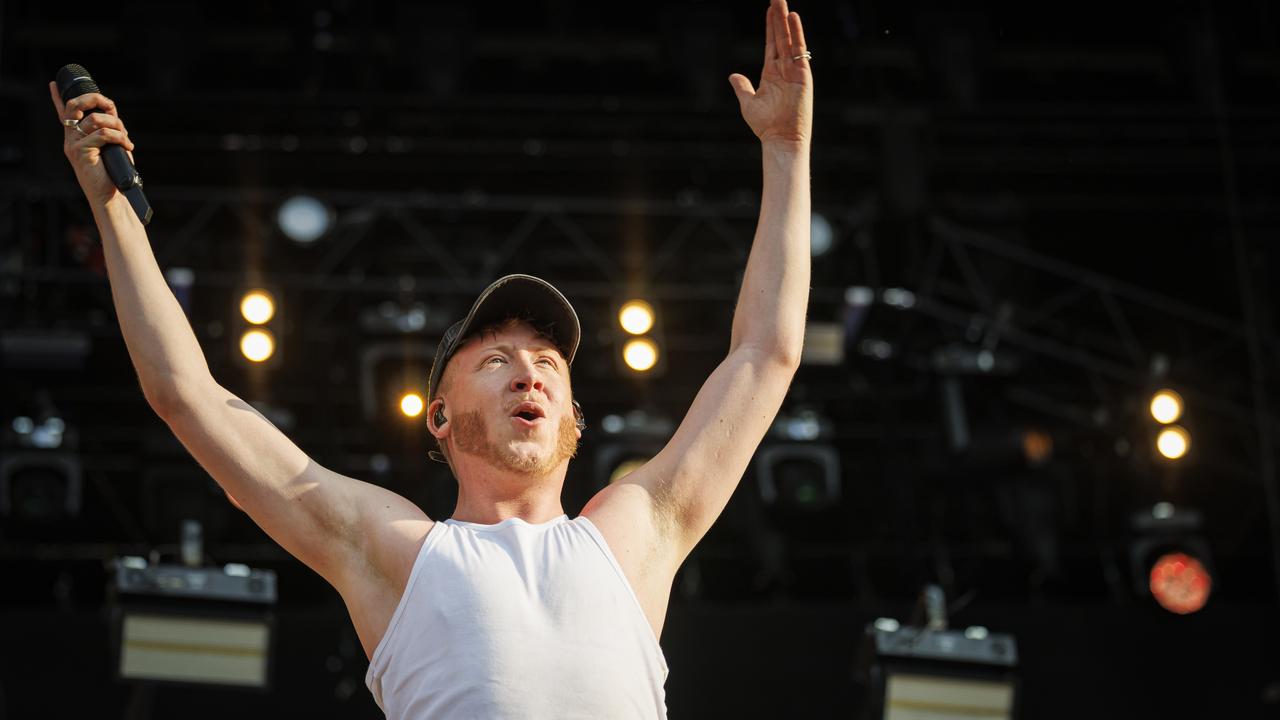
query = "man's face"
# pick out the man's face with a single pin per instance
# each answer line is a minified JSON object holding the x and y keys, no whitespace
{"x":509,"y":403}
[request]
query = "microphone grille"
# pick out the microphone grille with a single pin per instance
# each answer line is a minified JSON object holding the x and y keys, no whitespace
{"x":73,"y":81}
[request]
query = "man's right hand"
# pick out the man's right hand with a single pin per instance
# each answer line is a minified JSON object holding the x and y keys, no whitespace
{"x":85,"y":150}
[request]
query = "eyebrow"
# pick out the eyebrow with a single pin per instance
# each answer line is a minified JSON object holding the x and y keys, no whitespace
{"x":509,"y":349}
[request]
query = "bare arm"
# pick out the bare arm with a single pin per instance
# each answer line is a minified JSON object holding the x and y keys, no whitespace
{"x":317,"y":515}
{"x":689,"y":483}
{"x":160,"y":341}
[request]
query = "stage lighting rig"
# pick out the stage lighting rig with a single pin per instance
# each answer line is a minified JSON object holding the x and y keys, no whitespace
{"x":797,"y":470}
{"x":639,"y":338}
{"x":1169,"y":558}
{"x":391,"y":375}
{"x":40,"y":475}
{"x":631,"y":440}
{"x":926,"y":670}
{"x":186,"y":624}
{"x":257,"y":342}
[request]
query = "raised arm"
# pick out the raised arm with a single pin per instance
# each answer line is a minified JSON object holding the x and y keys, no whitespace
{"x":688,"y":484}
{"x":775,"y":289}
{"x":315,"y":514}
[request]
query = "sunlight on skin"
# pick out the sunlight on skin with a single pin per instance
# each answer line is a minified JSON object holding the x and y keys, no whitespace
{"x":780,"y":109}
{"x":484,"y":382}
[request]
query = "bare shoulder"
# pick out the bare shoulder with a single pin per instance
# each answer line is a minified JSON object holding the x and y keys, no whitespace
{"x":392,"y":530}
{"x":641,"y":539}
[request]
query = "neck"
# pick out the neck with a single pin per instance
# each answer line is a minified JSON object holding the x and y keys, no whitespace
{"x":486,"y":496}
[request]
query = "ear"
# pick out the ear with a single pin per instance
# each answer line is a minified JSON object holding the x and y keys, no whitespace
{"x":579,"y":418}
{"x":439,"y":431}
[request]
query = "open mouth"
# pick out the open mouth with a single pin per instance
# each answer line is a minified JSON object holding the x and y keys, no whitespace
{"x":527,"y":413}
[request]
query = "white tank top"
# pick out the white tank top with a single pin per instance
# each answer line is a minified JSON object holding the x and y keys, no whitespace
{"x":518,"y":620}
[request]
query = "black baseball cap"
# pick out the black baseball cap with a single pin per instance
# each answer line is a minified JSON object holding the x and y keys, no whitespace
{"x":522,"y":296}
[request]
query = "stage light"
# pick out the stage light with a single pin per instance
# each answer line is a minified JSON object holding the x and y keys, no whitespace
{"x":48,"y":435}
{"x":926,"y":670}
{"x":802,"y":424}
{"x":636,"y":317}
{"x":181,"y":280}
{"x":304,"y":219}
{"x":257,"y":307}
{"x":1180,"y":583}
{"x":1170,"y":559}
{"x":632,"y":440}
{"x":796,"y":470}
{"x":1173,"y":442}
{"x":640,"y":354}
{"x":257,"y":345}
{"x":192,"y":625}
{"x":388,"y":372}
{"x":821,"y":236}
{"x":900,"y":298}
{"x":404,"y":318}
{"x":639,"y":339}
{"x":411,"y":404}
{"x":798,"y":477}
{"x":626,"y":467}
{"x":40,"y":493}
{"x":1166,"y":406}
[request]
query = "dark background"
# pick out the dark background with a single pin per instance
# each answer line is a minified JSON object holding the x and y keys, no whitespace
{"x":1087,"y":191}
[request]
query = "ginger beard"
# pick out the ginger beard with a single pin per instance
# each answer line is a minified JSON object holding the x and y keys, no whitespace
{"x":471,"y":436}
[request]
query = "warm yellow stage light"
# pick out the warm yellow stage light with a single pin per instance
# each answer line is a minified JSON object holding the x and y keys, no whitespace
{"x":636,"y":317}
{"x":257,"y":345}
{"x":625,"y":468}
{"x":411,"y":404}
{"x":640,"y":354}
{"x":1166,"y":406}
{"x":1173,"y":442}
{"x":257,"y":306}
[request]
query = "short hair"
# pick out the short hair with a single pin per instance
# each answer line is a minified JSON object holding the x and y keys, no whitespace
{"x":542,"y":331}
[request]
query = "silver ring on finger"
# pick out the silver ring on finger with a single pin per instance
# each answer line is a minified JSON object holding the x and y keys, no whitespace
{"x":806,"y":55}
{"x":69,"y":123}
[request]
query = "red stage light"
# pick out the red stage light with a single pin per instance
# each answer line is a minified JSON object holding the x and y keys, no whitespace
{"x":1180,"y":583}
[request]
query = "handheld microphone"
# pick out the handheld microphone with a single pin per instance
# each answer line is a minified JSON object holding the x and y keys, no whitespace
{"x":74,"y":81}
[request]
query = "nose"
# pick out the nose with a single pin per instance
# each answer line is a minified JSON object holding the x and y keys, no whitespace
{"x":525,"y":379}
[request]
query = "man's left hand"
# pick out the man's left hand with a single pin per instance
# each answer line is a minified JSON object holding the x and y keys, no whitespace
{"x":780,"y":110}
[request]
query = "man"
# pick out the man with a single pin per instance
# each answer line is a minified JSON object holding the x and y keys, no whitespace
{"x":508,"y":608}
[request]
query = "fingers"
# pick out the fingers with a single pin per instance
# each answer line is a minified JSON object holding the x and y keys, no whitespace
{"x":741,"y":87}
{"x":91,"y":102}
{"x":770,"y":44}
{"x":57,"y":101}
{"x":101,"y":126}
{"x":781,"y":35}
{"x":105,"y":136}
{"x":798,"y":45}
{"x":97,"y":120}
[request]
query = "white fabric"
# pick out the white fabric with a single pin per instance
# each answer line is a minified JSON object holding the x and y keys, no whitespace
{"x":518,"y":620}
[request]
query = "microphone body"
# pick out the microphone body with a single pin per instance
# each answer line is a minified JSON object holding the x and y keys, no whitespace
{"x":74,"y":81}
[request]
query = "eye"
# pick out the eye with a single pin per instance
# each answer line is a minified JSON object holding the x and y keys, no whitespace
{"x":548,"y":361}
{"x":495,"y":357}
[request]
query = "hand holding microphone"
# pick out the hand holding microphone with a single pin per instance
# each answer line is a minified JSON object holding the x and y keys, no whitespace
{"x":96,"y":141}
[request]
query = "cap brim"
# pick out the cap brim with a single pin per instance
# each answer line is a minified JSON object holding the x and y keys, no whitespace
{"x":523,"y":296}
